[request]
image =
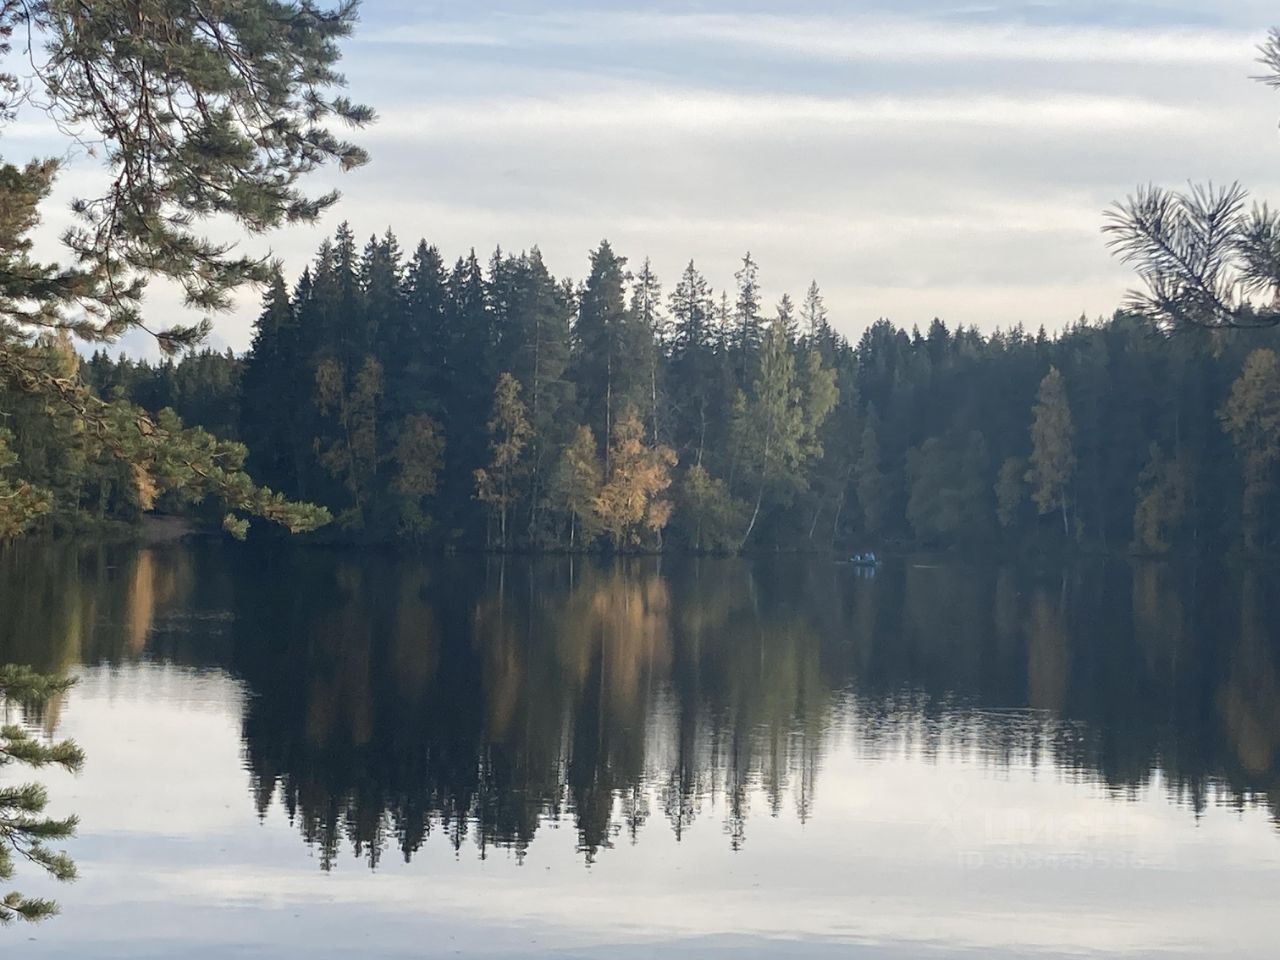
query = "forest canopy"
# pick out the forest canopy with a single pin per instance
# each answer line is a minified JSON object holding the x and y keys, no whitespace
{"x":488,"y":403}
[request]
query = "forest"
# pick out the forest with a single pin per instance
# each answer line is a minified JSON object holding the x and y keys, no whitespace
{"x":488,"y":404}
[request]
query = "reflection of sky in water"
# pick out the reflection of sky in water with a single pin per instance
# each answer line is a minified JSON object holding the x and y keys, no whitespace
{"x":904,"y":855}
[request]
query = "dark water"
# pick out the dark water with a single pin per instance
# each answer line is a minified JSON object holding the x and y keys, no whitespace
{"x":314,"y":755}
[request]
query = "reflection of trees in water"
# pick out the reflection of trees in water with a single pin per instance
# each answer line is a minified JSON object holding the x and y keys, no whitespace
{"x":63,"y":605}
{"x":479,"y":700}
{"x":610,"y":694}
{"x":1248,"y":700}
{"x":540,"y":691}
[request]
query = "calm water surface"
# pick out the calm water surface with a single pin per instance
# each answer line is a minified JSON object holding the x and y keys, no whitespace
{"x":316,"y":755}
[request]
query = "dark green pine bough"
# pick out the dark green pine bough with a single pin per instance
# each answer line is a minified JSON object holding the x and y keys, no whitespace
{"x":25,"y":830}
{"x":200,"y":112}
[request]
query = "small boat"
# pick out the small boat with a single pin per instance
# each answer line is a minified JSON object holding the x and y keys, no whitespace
{"x":864,"y":560}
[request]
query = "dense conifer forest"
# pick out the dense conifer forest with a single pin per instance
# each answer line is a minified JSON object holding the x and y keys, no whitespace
{"x":489,"y":404}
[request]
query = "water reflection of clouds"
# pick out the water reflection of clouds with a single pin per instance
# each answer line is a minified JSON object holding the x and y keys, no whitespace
{"x":957,"y":759}
{"x":907,"y":853}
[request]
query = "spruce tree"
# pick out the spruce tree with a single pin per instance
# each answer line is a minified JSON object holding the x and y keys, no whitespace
{"x":604,"y":367}
{"x":748,"y":325}
{"x":693,"y":379}
{"x":646,"y":308}
{"x":269,"y":405}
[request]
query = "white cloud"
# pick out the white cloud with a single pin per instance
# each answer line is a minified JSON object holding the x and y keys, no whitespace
{"x":881,"y":39}
{"x":650,"y":110}
{"x":915,"y":167}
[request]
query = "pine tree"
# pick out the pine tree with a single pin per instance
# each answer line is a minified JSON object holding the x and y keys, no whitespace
{"x":21,"y":504}
{"x":266,"y":106}
{"x":25,"y":830}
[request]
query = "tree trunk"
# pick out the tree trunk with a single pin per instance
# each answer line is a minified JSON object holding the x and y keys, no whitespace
{"x":653,"y":390}
{"x":754,"y":514}
{"x":702,"y":428}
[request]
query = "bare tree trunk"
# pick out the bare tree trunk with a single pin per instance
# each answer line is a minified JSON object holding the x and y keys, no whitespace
{"x":608,"y":406}
{"x":754,"y":515}
{"x":702,"y":428}
{"x":653,"y":389}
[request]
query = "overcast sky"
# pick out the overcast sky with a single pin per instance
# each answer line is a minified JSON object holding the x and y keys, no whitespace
{"x":918,"y":158}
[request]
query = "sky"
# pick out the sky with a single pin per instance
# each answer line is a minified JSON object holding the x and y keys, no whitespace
{"x":917,"y":158}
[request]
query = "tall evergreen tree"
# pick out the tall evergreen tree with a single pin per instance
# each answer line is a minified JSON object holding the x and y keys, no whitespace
{"x":646,"y":308}
{"x":748,"y":325}
{"x":269,"y":404}
{"x":606,"y":344}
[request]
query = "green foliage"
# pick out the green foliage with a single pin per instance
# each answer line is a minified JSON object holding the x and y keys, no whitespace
{"x":710,"y":517}
{"x":1053,"y":458}
{"x":509,"y":433}
{"x":74,"y":456}
{"x":1251,"y":416}
{"x":199,"y":113}
{"x":363,"y":375}
{"x":21,"y":504}
{"x":870,"y":480}
{"x":575,"y":485}
{"x":630,"y":504}
{"x":1162,"y":502}
{"x":776,"y":429}
{"x":1011,"y":492}
{"x":949,"y":493}
{"x":25,"y":830}
{"x":1207,"y":258}
{"x":350,"y":411}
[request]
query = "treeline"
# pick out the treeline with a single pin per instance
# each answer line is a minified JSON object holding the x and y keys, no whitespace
{"x":492,"y":404}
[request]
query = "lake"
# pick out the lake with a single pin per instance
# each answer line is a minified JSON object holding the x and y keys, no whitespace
{"x":311,"y":754}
